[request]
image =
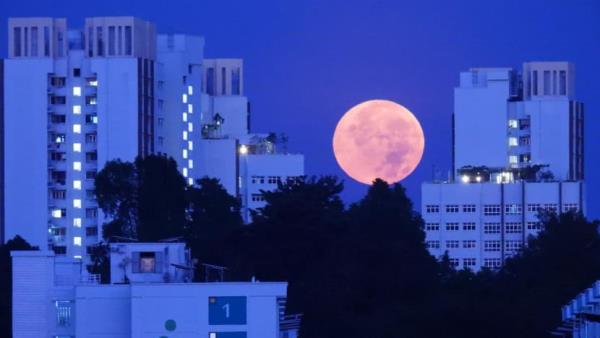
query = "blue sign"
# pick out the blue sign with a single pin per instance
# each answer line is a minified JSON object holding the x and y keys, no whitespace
{"x":227,"y":311}
{"x":229,"y":335}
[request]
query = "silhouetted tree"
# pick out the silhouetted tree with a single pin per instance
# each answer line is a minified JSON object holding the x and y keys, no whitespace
{"x":14,"y":244}
{"x":144,"y":200}
{"x":100,"y":262}
{"x":213,"y":216}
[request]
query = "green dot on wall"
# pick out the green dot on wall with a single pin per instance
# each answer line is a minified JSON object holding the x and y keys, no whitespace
{"x":170,"y":325}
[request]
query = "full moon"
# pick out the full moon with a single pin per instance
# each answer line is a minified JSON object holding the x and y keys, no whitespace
{"x":378,"y":139}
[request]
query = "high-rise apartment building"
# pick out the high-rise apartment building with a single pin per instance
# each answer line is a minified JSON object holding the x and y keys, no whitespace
{"x":75,"y":99}
{"x":517,"y":151}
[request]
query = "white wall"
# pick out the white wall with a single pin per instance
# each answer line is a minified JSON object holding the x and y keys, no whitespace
{"x":26,"y":150}
{"x":103,"y":311}
{"x":218,"y":159}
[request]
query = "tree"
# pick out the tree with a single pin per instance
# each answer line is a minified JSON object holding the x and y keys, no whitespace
{"x":290,"y":235}
{"x":144,"y":200}
{"x":100,"y":262}
{"x":213,"y":216}
{"x":14,"y":244}
{"x":379,"y":279}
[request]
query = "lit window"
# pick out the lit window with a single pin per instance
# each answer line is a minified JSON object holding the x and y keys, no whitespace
{"x":57,"y":213}
{"x":77,"y":109}
{"x":190,"y":145}
{"x":77,"y":257}
{"x":190,"y":90}
{"x":95,"y":119}
{"x":243,"y":149}
{"x":184,"y":98}
{"x":77,"y":241}
{"x":513,"y":124}
{"x":76,"y":91}
{"x":190,"y":108}
{"x":190,"y":127}
{"x":465,"y":178}
{"x":77,"y":203}
{"x":77,"y":166}
{"x":191,"y":164}
{"x":184,"y":117}
{"x":77,"y":222}
{"x":212,"y":335}
{"x":512,"y":141}
{"x":190,"y":181}
{"x":77,"y":185}
{"x":77,"y":147}
{"x":185,"y":135}
{"x":513,"y":159}
{"x":93,"y":83}
{"x":185,"y":172}
{"x":77,"y":128}
{"x":185,"y":153}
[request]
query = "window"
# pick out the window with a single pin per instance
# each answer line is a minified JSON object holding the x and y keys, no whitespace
{"x":469,"y":208}
{"x":454,"y":262}
{"x":536,"y":226}
{"x":469,"y":226}
{"x":513,"y":245}
{"x":58,"y":100}
{"x":76,"y":72}
{"x":77,"y":185}
{"x":111,"y":40}
{"x":146,"y":262}
{"x":90,"y":194}
{"x":535,"y":82}
{"x":128,"y":40}
{"x":59,"y":194}
{"x":185,"y":135}
{"x":524,"y":140}
{"x":547,"y":87}
{"x":513,"y":228}
{"x":91,"y":100}
{"x":184,"y":153}
{"x":533,"y":207}
{"x":90,"y":175}
{"x":513,"y":209}
{"x":451,"y":244}
{"x":469,"y":262}
{"x":59,"y":213}
{"x":191,"y":164}
{"x":190,"y":109}
{"x":452,"y":227}
{"x":524,"y":124}
{"x":190,"y":181}
{"x":77,"y":109}
{"x":258,"y":198}
{"x":432,"y":244}
{"x":210,"y":81}
{"x":432,"y":226}
{"x":512,"y":141}
{"x":90,"y":138}
{"x":77,"y":166}
{"x":273,"y":179}
{"x":91,"y":118}
{"x":77,"y":147}
{"x":91,"y":156}
{"x":258,"y":179}
{"x":91,"y":231}
{"x":223,"y":81}
{"x":190,"y":90}
{"x":513,"y":159}
{"x":77,"y":203}
{"x":491,"y":209}
{"x":17,"y":41}
{"x":91,"y":212}
{"x":491,"y":228}
{"x":34,"y":41}
{"x":184,"y":98}
{"x":431,"y":209}
{"x":58,"y":118}
{"x":120,"y":41}
{"x":550,"y":207}
{"x":92,"y":81}
{"x":77,"y":241}
{"x":468,"y":244}
{"x":64,"y":312}
{"x":58,"y":231}
{"x":58,"y":156}
{"x":452,"y":208}
{"x":491,"y":246}
{"x":77,"y":222}
{"x":513,"y":124}
{"x":76,"y":91}
{"x":562,"y":87}
{"x":77,"y":128}
{"x":184,"y":117}
{"x":492,"y":263}
{"x":100,"y":41}
{"x":46,"y":41}
{"x":235,"y":81}
{"x":570,"y":207}
{"x":190,"y":145}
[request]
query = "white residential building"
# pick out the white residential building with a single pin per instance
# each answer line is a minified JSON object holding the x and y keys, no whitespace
{"x":517,"y":151}
{"x":50,"y":299}
{"x":75,"y":99}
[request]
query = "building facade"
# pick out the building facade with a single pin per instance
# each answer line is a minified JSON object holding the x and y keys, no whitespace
{"x":52,"y":297}
{"x":517,"y":152}
{"x":75,"y":99}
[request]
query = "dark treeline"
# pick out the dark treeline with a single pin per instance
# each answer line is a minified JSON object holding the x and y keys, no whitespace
{"x":360,"y":271}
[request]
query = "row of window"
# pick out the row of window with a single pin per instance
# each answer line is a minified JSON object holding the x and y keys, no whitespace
{"x":495,"y":209}
{"x":467,"y":262}
{"x":62,"y":213}
{"x":489,"y":246}
{"x":488,"y":228}
{"x":61,"y":231}
{"x":62,"y":194}
{"x":61,"y":118}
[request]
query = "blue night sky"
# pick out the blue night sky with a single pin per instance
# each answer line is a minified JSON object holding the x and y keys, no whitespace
{"x":307,"y":62}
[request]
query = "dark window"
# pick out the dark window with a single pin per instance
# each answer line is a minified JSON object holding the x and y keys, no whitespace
{"x":34,"y":41}
{"x":46,"y":41}
{"x":235,"y":81}
{"x":91,"y":231}
{"x":17,"y":41}
{"x":223,"y":81}
{"x":60,"y":250}
{"x":210,"y":81}
{"x":111,"y":40}
{"x":76,"y":72}
{"x":91,"y":41}
{"x":100,"y":49}
{"x":128,"y":40}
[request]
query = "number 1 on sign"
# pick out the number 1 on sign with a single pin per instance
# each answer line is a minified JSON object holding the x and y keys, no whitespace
{"x":226,"y":308}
